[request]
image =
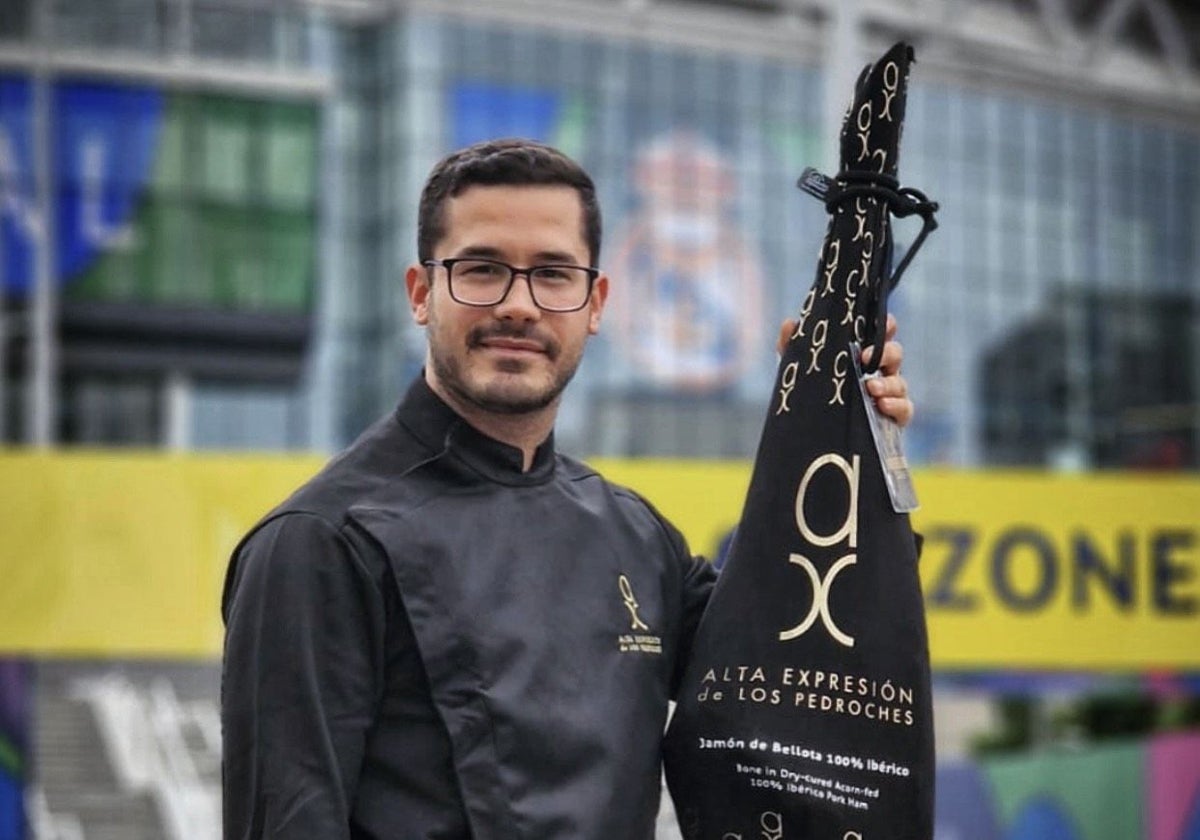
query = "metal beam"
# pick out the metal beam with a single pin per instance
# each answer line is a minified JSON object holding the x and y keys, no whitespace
{"x":171,"y":71}
{"x":1055,"y":18}
{"x":957,"y":39}
{"x":983,"y":43}
{"x":1169,"y":30}
{"x":662,"y":22}
{"x":1111,"y":19}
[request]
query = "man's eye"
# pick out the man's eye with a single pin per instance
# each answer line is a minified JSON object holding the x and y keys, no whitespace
{"x":480,"y":270}
{"x":558,"y":274}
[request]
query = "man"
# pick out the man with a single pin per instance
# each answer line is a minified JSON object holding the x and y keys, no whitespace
{"x":452,"y":631}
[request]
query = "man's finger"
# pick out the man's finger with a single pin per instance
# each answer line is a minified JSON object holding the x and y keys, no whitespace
{"x":893,"y":356}
{"x":899,"y":409}
{"x":887,"y":386}
{"x":785,"y":333}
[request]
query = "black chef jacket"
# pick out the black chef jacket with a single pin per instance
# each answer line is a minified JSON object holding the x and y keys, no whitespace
{"x":426,"y":642}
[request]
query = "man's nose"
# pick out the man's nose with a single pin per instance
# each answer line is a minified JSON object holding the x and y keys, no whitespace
{"x":518,"y":303}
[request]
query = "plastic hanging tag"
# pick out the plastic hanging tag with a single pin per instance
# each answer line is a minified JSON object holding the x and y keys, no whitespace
{"x":815,"y":183}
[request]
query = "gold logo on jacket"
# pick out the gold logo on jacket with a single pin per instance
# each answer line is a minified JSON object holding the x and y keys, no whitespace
{"x":631,"y":603}
{"x":640,"y":640}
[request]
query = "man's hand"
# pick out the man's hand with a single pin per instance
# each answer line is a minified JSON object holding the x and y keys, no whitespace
{"x":889,"y":388}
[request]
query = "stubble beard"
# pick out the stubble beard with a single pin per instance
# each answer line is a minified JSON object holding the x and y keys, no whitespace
{"x":500,"y":397}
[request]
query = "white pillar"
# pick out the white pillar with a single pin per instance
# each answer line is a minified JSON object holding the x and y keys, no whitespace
{"x":177,"y":411}
{"x":42,"y":407}
{"x":843,"y":63}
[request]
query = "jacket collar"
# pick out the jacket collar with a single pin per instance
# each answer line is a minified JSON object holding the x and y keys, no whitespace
{"x":440,"y":428}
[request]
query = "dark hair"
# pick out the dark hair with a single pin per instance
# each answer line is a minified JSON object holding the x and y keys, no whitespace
{"x":512,"y":162}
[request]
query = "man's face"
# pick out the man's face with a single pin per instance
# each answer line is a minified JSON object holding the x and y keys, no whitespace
{"x":511,"y":358}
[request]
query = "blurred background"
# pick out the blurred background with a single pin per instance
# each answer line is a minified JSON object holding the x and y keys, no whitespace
{"x":206,"y":209}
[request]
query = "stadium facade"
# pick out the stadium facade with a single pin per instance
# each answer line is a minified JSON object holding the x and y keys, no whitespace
{"x":206,"y":208}
{"x":234,"y":185}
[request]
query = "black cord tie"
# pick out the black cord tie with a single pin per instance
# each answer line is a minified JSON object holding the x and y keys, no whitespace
{"x":900,"y":202}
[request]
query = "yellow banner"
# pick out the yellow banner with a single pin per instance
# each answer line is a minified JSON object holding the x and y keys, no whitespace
{"x":124,"y":555}
{"x":1087,"y":571}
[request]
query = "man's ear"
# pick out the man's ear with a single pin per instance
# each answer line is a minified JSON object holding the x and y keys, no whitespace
{"x":417,"y":281}
{"x":596,"y":304}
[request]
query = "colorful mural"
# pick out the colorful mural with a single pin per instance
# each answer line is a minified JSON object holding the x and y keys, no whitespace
{"x":688,"y":305}
{"x":179,"y":199}
{"x":104,"y":141}
{"x":1173,"y":788}
{"x":1145,"y":789}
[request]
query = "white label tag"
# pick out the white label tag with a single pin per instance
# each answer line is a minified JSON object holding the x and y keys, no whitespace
{"x":888,"y":443}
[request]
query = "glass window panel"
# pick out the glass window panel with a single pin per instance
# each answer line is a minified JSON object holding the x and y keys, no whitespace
{"x":974,"y":122}
{"x":476,"y":55}
{"x":239,"y":260}
{"x":1010,"y":120}
{"x":111,"y":410}
{"x":227,"y":143}
{"x":171,"y":164}
{"x":16,"y":20}
{"x":230,"y":416}
{"x":1082,"y":138}
{"x":289,"y":137}
{"x":173,"y":261}
{"x":233,"y":31}
{"x":114,"y":276}
{"x":1154,"y":149}
{"x":1122,"y":139}
{"x":216,"y":235}
{"x":115,"y":24}
{"x":289,"y":264}
{"x":290,"y":36}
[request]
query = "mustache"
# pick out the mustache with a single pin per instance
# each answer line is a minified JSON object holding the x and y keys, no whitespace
{"x":477,"y":336}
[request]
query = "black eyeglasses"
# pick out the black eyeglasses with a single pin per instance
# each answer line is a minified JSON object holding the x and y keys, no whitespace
{"x":554,"y":288}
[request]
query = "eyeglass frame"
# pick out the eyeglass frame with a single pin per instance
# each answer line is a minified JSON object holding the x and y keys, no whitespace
{"x":592,"y":274}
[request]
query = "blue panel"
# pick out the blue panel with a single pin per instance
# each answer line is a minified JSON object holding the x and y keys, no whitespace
{"x":16,"y":183}
{"x":1192,"y":830}
{"x":1042,"y":819}
{"x":484,"y":111}
{"x":965,"y":808}
{"x":105,"y":139}
{"x":12,"y":814}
